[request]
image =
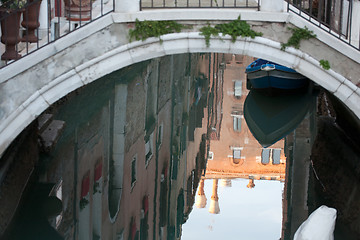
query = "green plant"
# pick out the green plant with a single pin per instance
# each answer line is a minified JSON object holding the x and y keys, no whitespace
{"x":234,"y":28}
{"x":96,"y":188}
{"x":145,"y":29}
{"x":13,"y":4}
{"x":297,"y":35}
{"x":207,"y":31}
{"x":83,"y":203}
{"x":325,"y":64}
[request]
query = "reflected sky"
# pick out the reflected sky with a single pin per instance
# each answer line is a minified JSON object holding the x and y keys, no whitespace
{"x":245,"y":213}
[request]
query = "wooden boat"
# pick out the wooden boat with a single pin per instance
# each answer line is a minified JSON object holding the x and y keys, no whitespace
{"x":265,"y":75}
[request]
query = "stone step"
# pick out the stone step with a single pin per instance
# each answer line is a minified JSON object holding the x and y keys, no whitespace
{"x":43,"y":121}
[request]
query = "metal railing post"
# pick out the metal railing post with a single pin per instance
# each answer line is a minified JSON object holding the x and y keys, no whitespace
{"x":324,"y":20}
{"x":50,"y":18}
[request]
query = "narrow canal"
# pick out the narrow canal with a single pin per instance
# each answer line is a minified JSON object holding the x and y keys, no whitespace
{"x":178,"y":148}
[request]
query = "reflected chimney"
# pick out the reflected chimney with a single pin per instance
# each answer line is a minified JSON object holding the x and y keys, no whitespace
{"x":214,"y":203}
{"x":225,"y":182}
{"x":201,"y":198}
{"x":233,"y":58}
{"x":251,"y":183}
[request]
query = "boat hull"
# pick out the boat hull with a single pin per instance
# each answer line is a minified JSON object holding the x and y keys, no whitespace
{"x":267,"y":75}
{"x":276,"y":79}
{"x":272,"y":118}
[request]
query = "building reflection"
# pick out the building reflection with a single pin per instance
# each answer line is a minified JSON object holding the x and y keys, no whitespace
{"x":138,"y":145}
{"x":233,"y":151}
{"x":129,"y":160}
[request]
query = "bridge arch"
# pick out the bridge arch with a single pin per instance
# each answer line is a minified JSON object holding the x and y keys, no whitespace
{"x":177,"y":43}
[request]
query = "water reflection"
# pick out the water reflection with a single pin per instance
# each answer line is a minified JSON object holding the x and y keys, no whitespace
{"x":151,"y":151}
{"x":243,"y":213}
{"x":273,"y":118}
{"x":255,"y":174}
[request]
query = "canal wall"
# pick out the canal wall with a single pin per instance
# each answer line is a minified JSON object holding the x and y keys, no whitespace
{"x":17,"y":169}
{"x":336,"y":162}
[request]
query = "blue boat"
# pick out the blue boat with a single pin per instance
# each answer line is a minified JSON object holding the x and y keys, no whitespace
{"x":266,"y":75}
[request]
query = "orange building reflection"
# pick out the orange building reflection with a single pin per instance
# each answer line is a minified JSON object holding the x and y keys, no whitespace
{"x":233,"y":151}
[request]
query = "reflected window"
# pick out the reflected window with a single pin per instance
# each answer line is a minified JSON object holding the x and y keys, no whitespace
{"x":236,"y":121}
{"x":237,"y":88}
{"x":149,"y":149}
{"x":160,"y":135}
{"x":236,"y":155}
{"x":237,"y":124}
{"x":265,"y":156}
{"x":120,"y":235}
{"x":57,"y":191}
{"x":144,"y":226}
{"x":270,"y":154}
{"x":276,"y":156}
{"x":211,"y":156}
{"x":151,"y":96}
{"x":133,"y":172}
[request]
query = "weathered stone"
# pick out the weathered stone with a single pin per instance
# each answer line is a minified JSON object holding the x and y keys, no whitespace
{"x":44,"y":121}
{"x":337,"y":164}
{"x":51,"y":134}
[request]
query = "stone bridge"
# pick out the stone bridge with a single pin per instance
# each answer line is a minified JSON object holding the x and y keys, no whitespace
{"x":30,"y":85}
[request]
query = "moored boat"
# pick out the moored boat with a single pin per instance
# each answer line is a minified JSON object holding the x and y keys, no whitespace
{"x":266,"y":75}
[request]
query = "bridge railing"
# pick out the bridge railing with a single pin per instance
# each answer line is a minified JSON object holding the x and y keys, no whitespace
{"x":156,"y":4}
{"x":41,"y":22}
{"x":333,"y":16}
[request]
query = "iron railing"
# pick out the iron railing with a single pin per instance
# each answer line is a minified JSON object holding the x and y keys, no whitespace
{"x":159,"y":4}
{"x":42,"y":22}
{"x":333,"y":16}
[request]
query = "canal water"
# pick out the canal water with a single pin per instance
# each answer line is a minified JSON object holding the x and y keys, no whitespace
{"x":178,"y":148}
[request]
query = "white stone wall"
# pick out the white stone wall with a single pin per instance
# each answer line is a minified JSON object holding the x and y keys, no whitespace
{"x":126,"y":6}
{"x":272,"y":6}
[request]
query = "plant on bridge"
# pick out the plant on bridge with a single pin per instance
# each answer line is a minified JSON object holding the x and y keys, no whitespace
{"x":13,"y":4}
{"x":207,"y":31}
{"x":297,"y":36}
{"x":234,"y":28}
{"x":145,"y":29}
{"x":325,"y":64}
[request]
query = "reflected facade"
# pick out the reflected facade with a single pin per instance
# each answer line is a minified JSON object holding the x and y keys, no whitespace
{"x":235,"y":154}
{"x":233,"y":151}
{"x":139,"y":153}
